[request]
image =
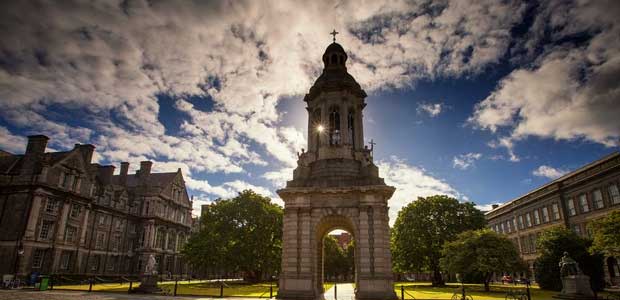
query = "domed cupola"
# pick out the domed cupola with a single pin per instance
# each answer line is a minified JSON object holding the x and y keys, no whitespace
{"x":334,"y":57}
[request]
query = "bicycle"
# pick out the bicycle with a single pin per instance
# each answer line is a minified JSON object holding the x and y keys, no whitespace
{"x":459,"y":294}
{"x":515,"y":295}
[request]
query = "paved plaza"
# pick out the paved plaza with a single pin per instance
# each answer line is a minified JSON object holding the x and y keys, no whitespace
{"x":345,"y":291}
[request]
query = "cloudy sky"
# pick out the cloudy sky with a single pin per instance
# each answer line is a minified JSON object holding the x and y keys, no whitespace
{"x":483,"y":101}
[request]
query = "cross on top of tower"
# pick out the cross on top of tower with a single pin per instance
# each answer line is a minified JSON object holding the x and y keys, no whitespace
{"x":334,"y":34}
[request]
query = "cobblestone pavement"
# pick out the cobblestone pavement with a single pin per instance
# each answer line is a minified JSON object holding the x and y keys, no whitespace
{"x":70,"y":295}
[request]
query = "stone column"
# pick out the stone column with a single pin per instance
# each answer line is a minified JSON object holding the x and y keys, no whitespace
{"x":84,"y":227}
{"x":33,"y":218}
{"x":63,"y":213}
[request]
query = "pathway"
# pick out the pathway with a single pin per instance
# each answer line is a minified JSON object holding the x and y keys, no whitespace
{"x":345,"y":291}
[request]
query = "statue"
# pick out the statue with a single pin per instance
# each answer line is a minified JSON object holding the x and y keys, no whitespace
{"x":568,"y":266}
{"x":575,"y":285}
{"x":148,"y":280}
{"x":151,"y":266}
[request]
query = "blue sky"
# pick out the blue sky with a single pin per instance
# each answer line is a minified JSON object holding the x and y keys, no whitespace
{"x":482,"y":101}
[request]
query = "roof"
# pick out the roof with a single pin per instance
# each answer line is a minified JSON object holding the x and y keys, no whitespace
{"x":159,"y":179}
{"x":12,"y":163}
{"x":602,"y":160}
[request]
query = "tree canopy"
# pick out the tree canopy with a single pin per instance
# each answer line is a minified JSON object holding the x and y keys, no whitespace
{"x":606,"y":235}
{"x":240,"y":235}
{"x":337,"y":261}
{"x":481,"y":252}
{"x":551,"y":245}
{"x":423,"y":226}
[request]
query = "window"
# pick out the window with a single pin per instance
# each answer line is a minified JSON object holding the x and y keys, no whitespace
{"x":46,"y":229}
{"x":101,"y":219}
{"x":119,"y":224}
{"x":536,"y":217}
{"x":94,"y":262}
{"x":115,"y":242}
{"x":160,"y":238}
{"x":76,"y":184}
{"x":50,"y":206}
{"x":37,"y":258}
{"x":100,"y":240}
{"x":520,"y":221}
{"x":556,"y":211}
{"x":514,"y":224}
{"x":65,"y":180}
{"x":614,"y":194}
{"x":75,"y":210}
{"x":597,"y":199}
{"x":528,"y":220}
{"x":111,"y":263}
{"x":65,"y":258}
{"x":532,"y":243}
{"x":508,"y":227}
{"x":334,"y":126}
{"x":570,"y":205}
{"x":545,"y":214}
{"x":502,"y":229}
{"x":70,"y":234}
{"x":583,"y":203}
{"x":351,"y":126}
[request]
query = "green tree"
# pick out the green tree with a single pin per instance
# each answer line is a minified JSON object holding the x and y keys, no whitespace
{"x":481,"y":252}
{"x":335,"y":261}
{"x":241,"y":235}
{"x":606,"y":235}
{"x":551,"y":245}
{"x":423,"y":226}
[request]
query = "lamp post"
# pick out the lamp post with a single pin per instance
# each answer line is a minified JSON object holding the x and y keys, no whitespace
{"x":20,"y":252}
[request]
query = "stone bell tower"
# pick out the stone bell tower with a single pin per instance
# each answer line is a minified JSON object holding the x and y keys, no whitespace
{"x":336,"y":185}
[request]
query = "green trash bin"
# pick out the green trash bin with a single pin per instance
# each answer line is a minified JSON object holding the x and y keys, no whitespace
{"x":44,"y":282}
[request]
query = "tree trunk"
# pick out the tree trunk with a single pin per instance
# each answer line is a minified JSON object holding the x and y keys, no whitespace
{"x":487,"y":280}
{"x":437,"y":278}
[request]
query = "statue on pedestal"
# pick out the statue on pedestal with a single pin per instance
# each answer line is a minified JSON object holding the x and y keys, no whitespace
{"x":575,"y":285}
{"x":148,"y":280}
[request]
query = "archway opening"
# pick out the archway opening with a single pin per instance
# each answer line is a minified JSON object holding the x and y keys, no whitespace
{"x":339,"y":257}
{"x":336,"y":257}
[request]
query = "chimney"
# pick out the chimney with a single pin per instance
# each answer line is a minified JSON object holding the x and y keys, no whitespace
{"x":124,"y":170}
{"x":36,"y":144}
{"x":145,"y":168}
{"x":87,"y":151}
{"x":494,"y":206}
{"x":105,"y":174}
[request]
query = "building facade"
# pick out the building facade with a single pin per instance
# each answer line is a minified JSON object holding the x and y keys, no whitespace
{"x":61,"y":214}
{"x":573,"y":200}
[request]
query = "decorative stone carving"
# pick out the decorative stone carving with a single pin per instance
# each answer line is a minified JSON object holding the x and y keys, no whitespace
{"x":575,"y":285}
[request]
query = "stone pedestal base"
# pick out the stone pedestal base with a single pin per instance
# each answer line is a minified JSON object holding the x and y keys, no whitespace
{"x":148,"y":285}
{"x":576,"y":287}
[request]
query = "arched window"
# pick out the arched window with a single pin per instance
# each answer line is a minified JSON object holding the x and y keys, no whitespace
{"x":334,"y":126}
{"x":351,"y":126}
{"x":334,"y":59}
{"x":341,"y":60}
{"x":316,"y":122}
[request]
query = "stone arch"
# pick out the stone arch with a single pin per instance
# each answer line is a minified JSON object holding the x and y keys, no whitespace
{"x":325,"y":221}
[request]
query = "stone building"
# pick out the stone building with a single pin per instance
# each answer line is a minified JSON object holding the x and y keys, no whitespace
{"x":573,"y":200}
{"x":61,"y":214}
{"x":336,"y":185}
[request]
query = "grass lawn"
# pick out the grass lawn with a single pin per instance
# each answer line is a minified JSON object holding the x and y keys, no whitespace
{"x":204,"y":288}
{"x":424,"y":290}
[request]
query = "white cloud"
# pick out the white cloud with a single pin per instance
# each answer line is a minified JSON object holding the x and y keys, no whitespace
{"x":568,"y":93}
{"x":465,"y":161}
{"x":12,"y":143}
{"x":432,"y":109}
{"x":486,"y":207}
{"x":549,"y":172}
{"x":410,"y":182}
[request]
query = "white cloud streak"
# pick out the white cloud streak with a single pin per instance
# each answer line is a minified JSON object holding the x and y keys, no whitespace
{"x":549,"y":172}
